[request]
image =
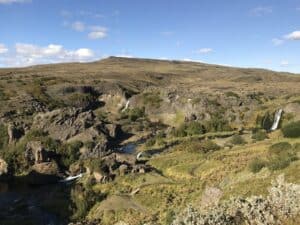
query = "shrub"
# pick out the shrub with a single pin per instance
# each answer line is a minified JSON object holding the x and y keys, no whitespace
{"x":282,"y":154}
{"x":292,"y":130}
{"x":217,"y":124}
{"x":204,"y":146}
{"x":3,"y":136}
{"x":70,"y":153}
{"x":280,"y":148}
{"x":209,"y":145}
{"x":259,"y":135}
{"x":194,"y":128}
{"x":232,"y":94}
{"x":282,"y":203}
{"x":83,"y":198}
{"x":97,"y":165}
{"x":134,"y":114}
{"x":256,"y":165}
{"x":150,"y":142}
{"x":83,"y":100}
{"x":152,"y":99}
{"x":180,"y":131}
{"x":279,"y":163}
{"x":237,"y":140}
{"x":296,"y":147}
{"x":189,"y":129}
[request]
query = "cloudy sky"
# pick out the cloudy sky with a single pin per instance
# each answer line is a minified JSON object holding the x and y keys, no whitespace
{"x":248,"y":33}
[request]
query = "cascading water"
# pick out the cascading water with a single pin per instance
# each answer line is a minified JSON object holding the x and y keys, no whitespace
{"x":276,"y":120}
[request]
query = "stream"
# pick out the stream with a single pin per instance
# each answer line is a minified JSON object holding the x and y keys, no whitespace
{"x":24,"y":204}
{"x":21,"y":203}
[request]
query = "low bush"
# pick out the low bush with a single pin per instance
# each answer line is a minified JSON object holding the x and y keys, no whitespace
{"x":70,"y":153}
{"x":194,"y":128}
{"x":291,"y":130}
{"x":150,"y":142}
{"x":279,"y":163}
{"x":152,"y":99}
{"x":281,"y":155}
{"x":282,"y":203}
{"x":203,"y":146}
{"x":133,"y":114}
{"x":84,"y":100}
{"x":3,"y":136}
{"x":82,"y":199}
{"x":217,"y":124}
{"x":97,"y":165}
{"x":237,"y":140}
{"x":256,"y":165}
{"x":232,"y":94}
{"x":189,"y":129}
{"x":280,"y":148}
{"x":259,"y":135}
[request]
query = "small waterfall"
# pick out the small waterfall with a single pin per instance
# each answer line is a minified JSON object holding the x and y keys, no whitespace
{"x":276,"y":120}
{"x":126,"y":106}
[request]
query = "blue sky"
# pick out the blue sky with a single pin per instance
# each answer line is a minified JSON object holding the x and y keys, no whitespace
{"x":256,"y":33}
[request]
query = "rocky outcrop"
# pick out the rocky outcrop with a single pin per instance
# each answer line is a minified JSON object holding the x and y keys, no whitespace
{"x":62,"y":124}
{"x":35,"y":153}
{"x":46,"y":168}
{"x":117,"y":164}
{"x":14,"y":132}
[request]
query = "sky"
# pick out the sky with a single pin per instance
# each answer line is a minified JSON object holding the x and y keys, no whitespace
{"x":248,"y":33}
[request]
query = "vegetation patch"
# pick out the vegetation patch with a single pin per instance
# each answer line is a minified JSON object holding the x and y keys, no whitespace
{"x":256,"y":165}
{"x":259,"y":135}
{"x":292,"y":130}
{"x":237,"y":140}
{"x":152,"y":99}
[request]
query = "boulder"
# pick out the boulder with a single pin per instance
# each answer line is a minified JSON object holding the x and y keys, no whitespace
{"x":46,"y":168}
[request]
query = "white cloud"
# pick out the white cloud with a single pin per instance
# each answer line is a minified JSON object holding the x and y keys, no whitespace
{"x":83,"y":53}
{"x":125,"y":56}
{"x":204,"y":51}
{"x":13,"y":1}
{"x":295,"y":36}
{"x":261,"y":10}
{"x":29,"y":54}
{"x":284,"y":63}
{"x":97,"y":32}
{"x":277,"y":41}
{"x":78,"y":26}
{"x":3,"y":49}
{"x":191,"y":60}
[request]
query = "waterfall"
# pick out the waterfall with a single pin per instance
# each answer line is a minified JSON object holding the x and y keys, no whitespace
{"x":126,"y":106}
{"x":276,"y":120}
